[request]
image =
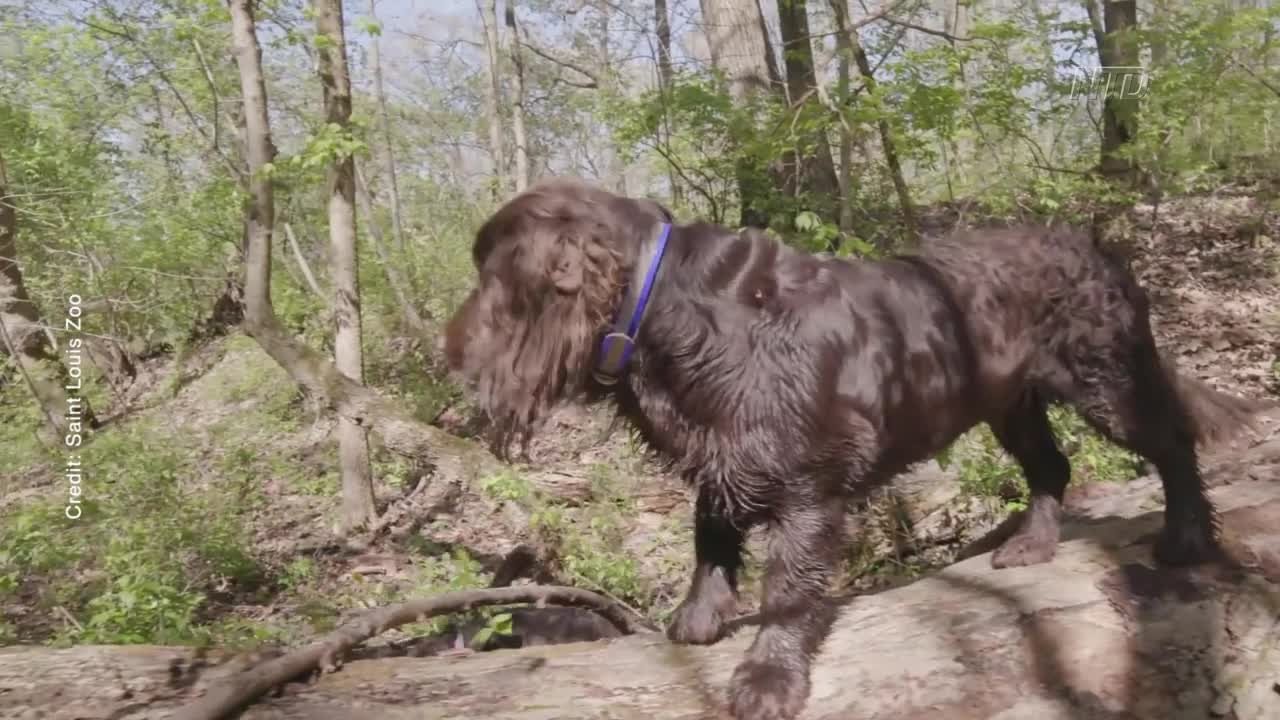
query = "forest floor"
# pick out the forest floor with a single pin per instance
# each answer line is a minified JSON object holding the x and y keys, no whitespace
{"x":212,"y":491}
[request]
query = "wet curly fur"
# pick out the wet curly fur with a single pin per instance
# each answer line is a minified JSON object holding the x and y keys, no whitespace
{"x":781,"y":385}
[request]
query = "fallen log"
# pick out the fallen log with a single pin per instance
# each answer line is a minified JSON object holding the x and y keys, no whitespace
{"x":328,"y":653}
{"x":1097,"y":634}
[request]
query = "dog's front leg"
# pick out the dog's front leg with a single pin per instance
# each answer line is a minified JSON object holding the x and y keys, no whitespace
{"x":772,"y":683}
{"x":713,"y":593}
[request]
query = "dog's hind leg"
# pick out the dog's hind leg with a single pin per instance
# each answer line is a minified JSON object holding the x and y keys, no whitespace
{"x":713,"y":593}
{"x":772,"y":682}
{"x":1024,"y":432}
{"x":1126,"y":395}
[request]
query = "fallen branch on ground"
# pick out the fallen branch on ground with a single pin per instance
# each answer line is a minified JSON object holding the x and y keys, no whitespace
{"x":1099,"y":631}
{"x":326,"y":654}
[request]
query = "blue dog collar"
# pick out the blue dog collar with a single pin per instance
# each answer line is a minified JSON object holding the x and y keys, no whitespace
{"x":617,"y":346}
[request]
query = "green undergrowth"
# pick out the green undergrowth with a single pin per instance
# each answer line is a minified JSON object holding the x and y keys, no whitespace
{"x":587,"y":539}
{"x":986,"y":470}
{"x":164,"y":550}
{"x":20,"y":447}
{"x":138,"y":558}
{"x":318,"y":604}
{"x":160,"y":544}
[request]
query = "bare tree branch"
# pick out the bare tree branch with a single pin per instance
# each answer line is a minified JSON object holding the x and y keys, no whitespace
{"x":302,"y":263}
{"x":399,"y":286}
{"x":327,"y":654}
{"x":562,"y":62}
{"x":927,"y":30}
{"x":236,"y":171}
{"x":213,"y":89}
{"x":1261,"y":80}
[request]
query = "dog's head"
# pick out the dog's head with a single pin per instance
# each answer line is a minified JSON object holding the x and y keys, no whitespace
{"x":552,"y":264}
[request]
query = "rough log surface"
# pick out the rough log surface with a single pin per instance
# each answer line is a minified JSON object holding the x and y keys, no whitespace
{"x":1098,"y":634}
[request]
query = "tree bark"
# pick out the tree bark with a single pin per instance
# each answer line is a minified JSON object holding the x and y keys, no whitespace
{"x":353,"y":441}
{"x":517,"y":109}
{"x":384,"y":119}
{"x":497,"y":151}
{"x":616,"y":168}
{"x":22,"y":334}
{"x":957,"y":25}
{"x":740,"y":49}
{"x":814,"y":171}
{"x":454,"y":462}
{"x":666,"y":81}
{"x":1098,"y":632}
{"x":662,"y":28}
{"x":1116,"y":36}
{"x":1158,"y":31}
{"x":329,"y":652}
{"x":844,"y":55}
{"x":260,"y":209}
{"x":318,"y":377}
{"x":911,"y":231}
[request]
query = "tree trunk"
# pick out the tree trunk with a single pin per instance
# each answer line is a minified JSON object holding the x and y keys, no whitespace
{"x":1116,"y":36}
{"x":486,"y":530}
{"x":911,"y":232}
{"x":22,"y":335}
{"x":815,"y":173}
{"x":844,"y":53}
{"x":740,"y":49}
{"x":384,"y":118}
{"x":957,"y":25}
{"x":1158,"y":31}
{"x":497,"y":151}
{"x":666,"y":80}
{"x":260,"y":210}
{"x":1098,"y":632}
{"x":353,"y":441}
{"x":616,"y":168}
{"x":517,"y":110}
{"x":320,"y":379}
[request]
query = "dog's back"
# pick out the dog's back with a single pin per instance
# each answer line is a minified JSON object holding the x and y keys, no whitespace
{"x":1034,"y":296}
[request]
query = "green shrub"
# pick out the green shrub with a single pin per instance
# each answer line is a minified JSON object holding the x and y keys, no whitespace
{"x":140,"y":562}
{"x":986,"y":470}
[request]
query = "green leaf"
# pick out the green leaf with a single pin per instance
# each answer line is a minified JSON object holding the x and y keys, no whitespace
{"x":807,"y":221}
{"x":500,"y":624}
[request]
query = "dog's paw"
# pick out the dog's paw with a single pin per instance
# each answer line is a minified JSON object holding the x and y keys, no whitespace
{"x":696,"y":622}
{"x":1179,"y":547}
{"x":1024,"y":548}
{"x":701,"y":618}
{"x":760,"y":691}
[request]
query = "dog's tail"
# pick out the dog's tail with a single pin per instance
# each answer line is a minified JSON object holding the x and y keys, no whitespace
{"x":1216,"y":417}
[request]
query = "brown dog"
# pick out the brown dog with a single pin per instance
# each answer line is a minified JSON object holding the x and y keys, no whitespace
{"x":781,"y":385}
